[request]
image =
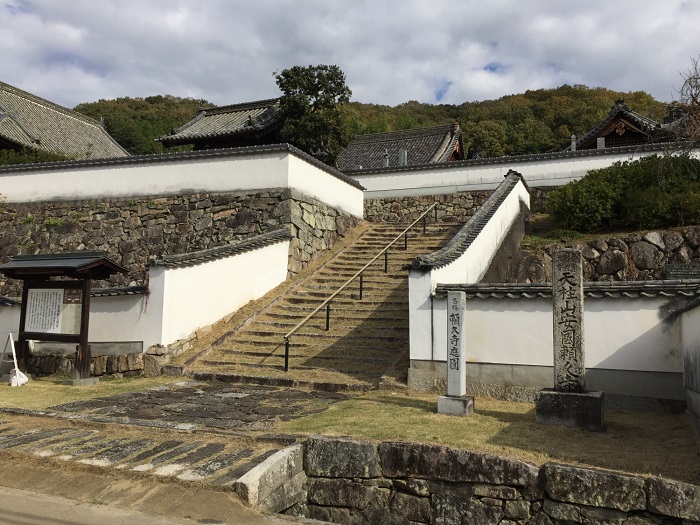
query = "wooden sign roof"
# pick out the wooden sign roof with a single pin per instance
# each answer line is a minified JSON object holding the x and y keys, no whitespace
{"x":77,"y":265}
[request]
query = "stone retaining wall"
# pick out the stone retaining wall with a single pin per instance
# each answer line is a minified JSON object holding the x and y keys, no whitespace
{"x":354,"y":482}
{"x":134,"y":230}
{"x":637,"y":257}
{"x":453,"y":206}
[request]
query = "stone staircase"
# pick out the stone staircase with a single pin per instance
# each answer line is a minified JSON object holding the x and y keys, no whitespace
{"x":367,"y":342}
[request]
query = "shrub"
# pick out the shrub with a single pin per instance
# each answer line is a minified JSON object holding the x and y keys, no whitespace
{"x":650,"y":192}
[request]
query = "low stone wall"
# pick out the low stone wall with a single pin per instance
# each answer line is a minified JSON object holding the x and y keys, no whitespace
{"x":354,"y":482}
{"x":134,"y":230}
{"x":121,"y":365}
{"x":451,"y":207}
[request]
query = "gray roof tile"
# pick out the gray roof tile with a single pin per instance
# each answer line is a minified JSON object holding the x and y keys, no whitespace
{"x":251,"y":119}
{"x":456,"y":246}
{"x":30,"y":121}
{"x":423,"y":146}
{"x":202,"y":256}
{"x":683,"y":288}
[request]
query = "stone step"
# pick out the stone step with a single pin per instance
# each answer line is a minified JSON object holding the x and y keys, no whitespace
{"x":366,"y":336}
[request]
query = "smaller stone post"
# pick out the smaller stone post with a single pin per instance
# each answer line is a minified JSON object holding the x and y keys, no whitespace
{"x":456,"y":402}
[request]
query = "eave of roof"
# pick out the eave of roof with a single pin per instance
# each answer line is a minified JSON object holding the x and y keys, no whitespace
{"x":685,"y":288}
{"x":95,"y":292}
{"x":89,"y":265}
{"x":221,"y":252}
{"x":514,"y":159}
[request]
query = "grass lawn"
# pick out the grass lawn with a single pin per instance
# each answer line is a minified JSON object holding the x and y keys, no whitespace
{"x":641,"y":443}
{"x":39,"y":394}
{"x":636,"y":442}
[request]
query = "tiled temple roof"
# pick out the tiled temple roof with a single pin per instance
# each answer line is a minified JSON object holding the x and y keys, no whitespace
{"x":423,"y":146}
{"x":251,"y":119}
{"x":30,"y":121}
{"x":620,"y":111}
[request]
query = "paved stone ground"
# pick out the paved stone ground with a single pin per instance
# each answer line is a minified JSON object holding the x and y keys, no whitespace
{"x":192,"y":404}
{"x":209,"y":433}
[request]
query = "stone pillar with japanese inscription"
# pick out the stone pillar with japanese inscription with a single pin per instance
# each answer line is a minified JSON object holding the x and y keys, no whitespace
{"x":567,"y":297}
{"x":569,"y":403}
{"x":456,"y":402}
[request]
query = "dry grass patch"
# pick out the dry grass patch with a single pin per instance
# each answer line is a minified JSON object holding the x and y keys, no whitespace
{"x":636,"y":442}
{"x":45,"y":392}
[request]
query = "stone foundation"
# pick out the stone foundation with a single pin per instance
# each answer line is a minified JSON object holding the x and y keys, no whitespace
{"x":571,"y":409}
{"x":120,"y":365}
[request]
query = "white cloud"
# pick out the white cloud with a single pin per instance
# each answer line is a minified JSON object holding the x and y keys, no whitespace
{"x":72,"y":51}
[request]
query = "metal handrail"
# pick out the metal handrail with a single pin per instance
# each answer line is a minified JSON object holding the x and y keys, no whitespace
{"x":332,"y":296}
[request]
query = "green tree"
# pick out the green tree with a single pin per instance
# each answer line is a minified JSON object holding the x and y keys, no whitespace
{"x":486,"y":138}
{"x":311,"y":118}
{"x":27,"y":155}
{"x":135,"y":123}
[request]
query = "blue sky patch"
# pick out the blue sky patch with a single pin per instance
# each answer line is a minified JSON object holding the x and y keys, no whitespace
{"x":442,"y":90}
{"x":20,"y":7}
{"x":495,"y":67}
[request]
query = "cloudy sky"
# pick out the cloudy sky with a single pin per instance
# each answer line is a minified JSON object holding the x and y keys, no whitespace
{"x":392,"y":51}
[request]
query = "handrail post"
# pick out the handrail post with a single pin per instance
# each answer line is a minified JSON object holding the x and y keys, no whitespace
{"x":405,"y":241}
{"x":328,"y":316}
{"x":435,"y":213}
{"x":286,"y":354}
{"x":361,"y":281}
{"x":424,"y":221}
{"x":386,"y":262}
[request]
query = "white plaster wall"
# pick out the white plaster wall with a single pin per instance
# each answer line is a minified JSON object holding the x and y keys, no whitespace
{"x":452,"y":178}
{"x":125,"y":318}
{"x":690,"y":323}
{"x":620,"y":333}
{"x":280,"y":169}
{"x":232,"y":173}
{"x":9,"y":323}
{"x":315,"y":182}
{"x":469,"y":268}
{"x":199,"y":295}
{"x":181,"y":299}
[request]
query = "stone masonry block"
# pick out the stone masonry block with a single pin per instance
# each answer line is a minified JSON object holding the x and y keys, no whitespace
{"x":267,"y":477}
{"x":339,"y":492}
{"x":597,"y":488}
{"x":674,"y":498}
{"x":404,"y":460}
{"x":341,"y":458}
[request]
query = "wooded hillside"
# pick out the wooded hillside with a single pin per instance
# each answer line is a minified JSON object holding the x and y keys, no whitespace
{"x":533,"y":122}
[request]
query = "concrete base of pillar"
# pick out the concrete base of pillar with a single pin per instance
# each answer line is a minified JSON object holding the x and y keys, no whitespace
{"x":571,"y":409}
{"x":456,"y":405}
